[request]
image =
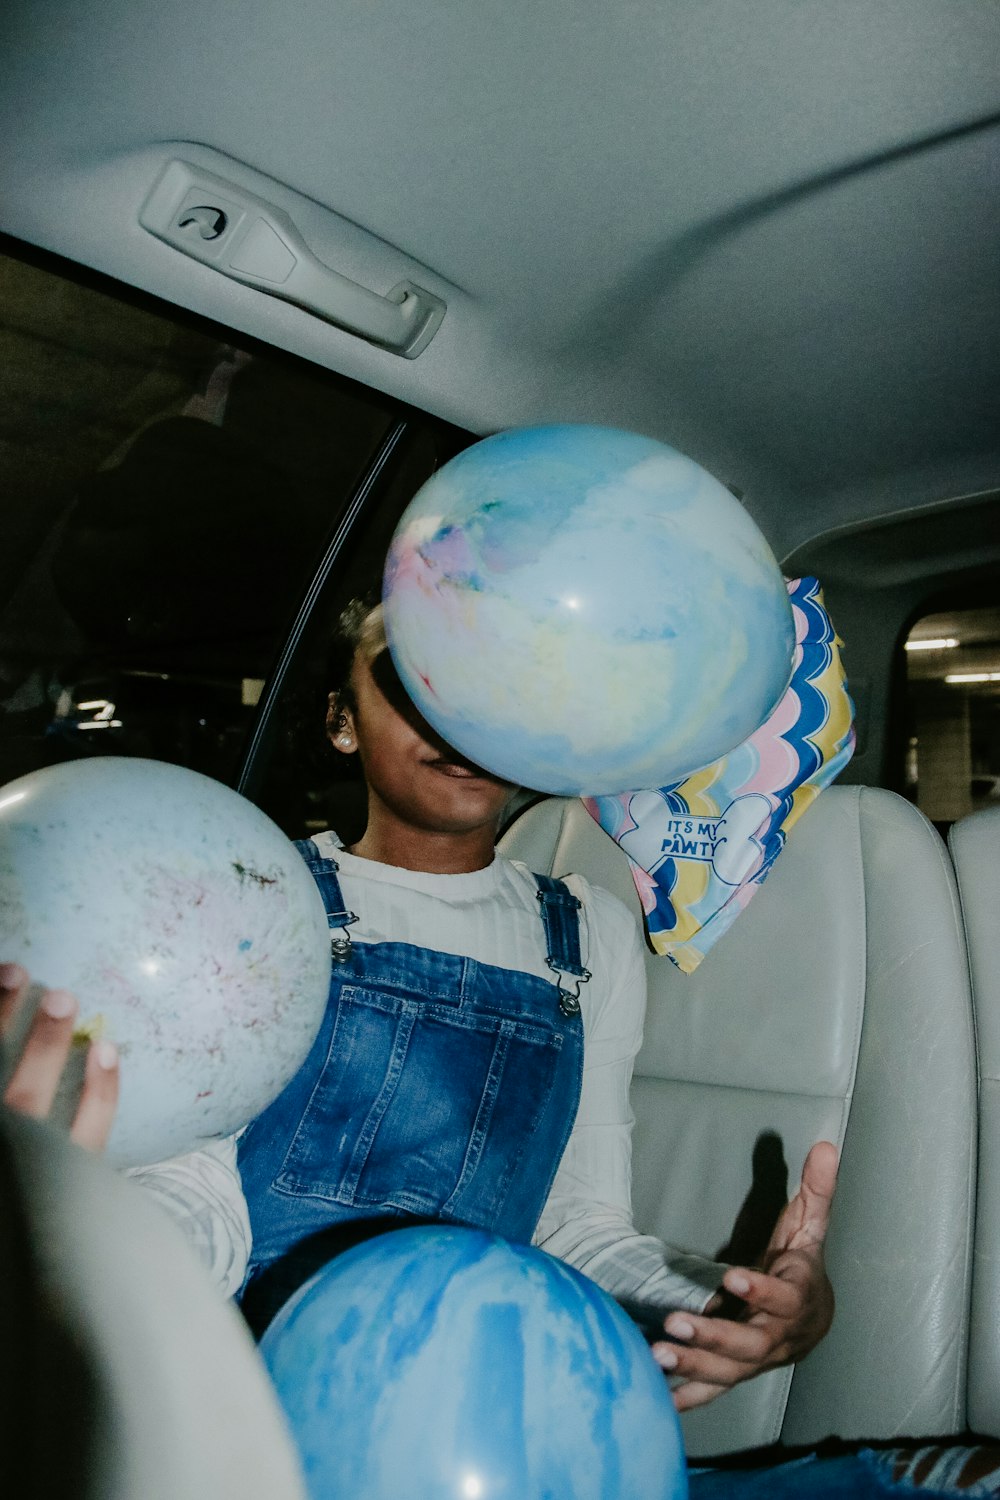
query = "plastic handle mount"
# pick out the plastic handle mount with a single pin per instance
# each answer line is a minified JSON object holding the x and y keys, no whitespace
{"x":248,"y":239}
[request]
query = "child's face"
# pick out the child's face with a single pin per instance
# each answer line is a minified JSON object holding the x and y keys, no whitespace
{"x":422,"y":781}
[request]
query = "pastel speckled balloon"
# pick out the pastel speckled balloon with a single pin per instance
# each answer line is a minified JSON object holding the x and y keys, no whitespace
{"x":582,"y":610}
{"x":448,"y":1364}
{"x":189,"y":928}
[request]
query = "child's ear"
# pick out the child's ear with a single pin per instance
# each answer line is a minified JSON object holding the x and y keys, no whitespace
{"x":340,"y":726}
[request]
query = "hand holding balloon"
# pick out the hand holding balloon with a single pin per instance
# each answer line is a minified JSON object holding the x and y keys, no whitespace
{"x":189,"y":929}
{"x":36,"y":1074}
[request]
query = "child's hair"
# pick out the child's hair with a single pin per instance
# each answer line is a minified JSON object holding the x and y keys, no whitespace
{"x":359,"y":627}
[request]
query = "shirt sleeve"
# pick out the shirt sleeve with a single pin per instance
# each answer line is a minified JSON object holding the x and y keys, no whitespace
{"x":587,"y":1218}
{"x":203,"y":1194}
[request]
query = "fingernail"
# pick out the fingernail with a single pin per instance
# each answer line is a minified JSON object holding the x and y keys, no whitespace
{"x":58,"y":1005}
{"x":106,"y":1055}
{"x":680,"y":1328}
{"x":665,"y":1357}
{"x":11,"y":975}
{"x":738,"y":1284}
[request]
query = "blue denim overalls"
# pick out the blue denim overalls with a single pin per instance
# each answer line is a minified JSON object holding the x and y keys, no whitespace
{"x":438,"y":1087}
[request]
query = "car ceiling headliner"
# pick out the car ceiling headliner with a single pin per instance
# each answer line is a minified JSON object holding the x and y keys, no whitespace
{"x":766,"y":233}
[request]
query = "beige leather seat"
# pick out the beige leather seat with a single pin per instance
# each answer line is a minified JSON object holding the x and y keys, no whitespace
{"x":125,"y":1376}
{"x":837,"y":1006}
{"x":975,"y":848}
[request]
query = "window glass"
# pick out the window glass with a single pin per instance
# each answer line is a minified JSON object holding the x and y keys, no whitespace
{"x":165,"y":497}
{"x":297,"y":777}
{"x":952,"y":762}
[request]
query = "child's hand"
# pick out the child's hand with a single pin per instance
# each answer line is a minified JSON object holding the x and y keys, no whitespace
{"x":787,"y":1306}
{"x":31,"y":1087}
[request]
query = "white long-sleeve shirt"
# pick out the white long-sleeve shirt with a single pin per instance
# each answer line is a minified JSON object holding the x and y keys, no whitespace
{"x":492,"y":915}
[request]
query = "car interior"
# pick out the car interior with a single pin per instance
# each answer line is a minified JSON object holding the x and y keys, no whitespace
{"x":264,"y":269}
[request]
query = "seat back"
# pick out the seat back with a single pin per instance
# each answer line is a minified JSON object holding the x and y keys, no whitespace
{"x":975,"y":849}
{"x":836,"y":1007}
{"x":138,"y":1382}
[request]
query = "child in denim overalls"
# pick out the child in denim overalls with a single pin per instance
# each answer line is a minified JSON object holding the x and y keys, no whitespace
{"x":445,"y":1087}
{"x":440,"y":1086}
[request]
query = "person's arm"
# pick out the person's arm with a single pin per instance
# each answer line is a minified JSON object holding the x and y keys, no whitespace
{"x":202,"y":1193}
{"x":757,"y":1318}
{"x":587,"y":1219}
{"x":776,"y":1314}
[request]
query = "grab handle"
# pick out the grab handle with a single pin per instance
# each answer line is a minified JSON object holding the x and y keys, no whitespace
{"x":250,"y":240}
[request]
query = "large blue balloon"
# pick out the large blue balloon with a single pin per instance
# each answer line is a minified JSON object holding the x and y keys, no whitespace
{"x":582,"y":611}
{"x":448,"y":1364}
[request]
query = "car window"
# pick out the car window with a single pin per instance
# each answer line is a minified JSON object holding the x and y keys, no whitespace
{"x":952,"y":763}
{"x":293,"y":773}
{"x":166,"y":494}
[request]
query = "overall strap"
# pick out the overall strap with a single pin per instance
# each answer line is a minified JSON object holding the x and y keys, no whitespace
{"x":324,"y":872}
{"x":560,"y":916}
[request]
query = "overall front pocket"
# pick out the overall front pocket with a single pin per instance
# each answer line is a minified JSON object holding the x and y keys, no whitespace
{"x":421,"y":1107}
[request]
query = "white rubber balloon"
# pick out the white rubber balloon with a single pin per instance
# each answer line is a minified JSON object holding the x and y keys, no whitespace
{"x":187,"y":925}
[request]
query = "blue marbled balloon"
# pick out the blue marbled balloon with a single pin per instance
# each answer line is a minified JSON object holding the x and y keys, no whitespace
{"x":448,"y":1364}
{"x":583,"y":611}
